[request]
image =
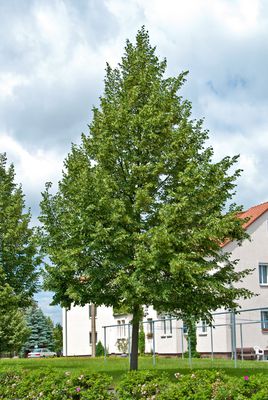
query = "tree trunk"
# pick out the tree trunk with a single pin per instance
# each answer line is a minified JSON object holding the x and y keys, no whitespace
{"x":93,"y":330}
{"x":135,"y":338}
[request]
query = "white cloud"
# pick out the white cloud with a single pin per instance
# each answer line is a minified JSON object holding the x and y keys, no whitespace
{"x":9,"y":82}
{"x":52,"y":61}
{"x":33,"y":168}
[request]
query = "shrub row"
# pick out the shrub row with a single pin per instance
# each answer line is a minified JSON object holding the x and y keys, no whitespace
{"x":51,"y":385}
{"x":200,"y":385}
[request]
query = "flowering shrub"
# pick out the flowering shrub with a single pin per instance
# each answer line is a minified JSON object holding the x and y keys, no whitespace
{"x":50,"y":385}
{"x":143,"y":385}
{"x":199,"y":385}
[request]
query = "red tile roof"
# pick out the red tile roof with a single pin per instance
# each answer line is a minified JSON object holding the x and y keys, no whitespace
{"x":253,"y":214}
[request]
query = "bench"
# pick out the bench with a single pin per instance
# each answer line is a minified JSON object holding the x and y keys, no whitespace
{"x":248,"y":353}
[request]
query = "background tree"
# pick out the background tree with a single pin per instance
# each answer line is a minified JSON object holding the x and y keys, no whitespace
{"x":140,"y":211}
{"x":100,"y":350}
{"x":18,"y":249}
{"x":58,"y":339}
{"x":190,"y":326}
{"x":41,"y":329}
{"x":13,"y":328}
{"x":141,"y":339}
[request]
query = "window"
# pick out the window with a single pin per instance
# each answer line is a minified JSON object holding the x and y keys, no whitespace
{"x":121,"y":329}
{"x":203,"y":328}
{"x":184,"y":328}
{"x":264,"y":320}
{"x":150,"y":325}
{"x":263,"y":274}
{"x":163,"y":324}
{"x":166,"y":324}
{"x":90,"y":337}
{"x":169,"y":322}
{"x":90,"y":310}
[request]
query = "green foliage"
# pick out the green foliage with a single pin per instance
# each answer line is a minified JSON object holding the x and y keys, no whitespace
{"x":199,"y":385}
{"x":18,"y":245}
{"x":100,"y":351}
{"x":123,"y":309}
{"x":191,"y":336}
{"x":41,"y":329}
{"x":57,"y":338}
{"x":194,"y":354}
{"x":141,"y":340}
{"x":131,"y":223}
{"x":141,"y":385}
{"x":51,"y":385}
{"x":122,"y":345}
{"x":48,"y":383}
{"x":13,"y":329}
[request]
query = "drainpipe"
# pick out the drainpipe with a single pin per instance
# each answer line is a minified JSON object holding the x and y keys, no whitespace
{"x":93,"y":330}
{"x":66,"y":334}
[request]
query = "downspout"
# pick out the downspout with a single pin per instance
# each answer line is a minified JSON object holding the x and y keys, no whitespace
{"x":66,"y":334}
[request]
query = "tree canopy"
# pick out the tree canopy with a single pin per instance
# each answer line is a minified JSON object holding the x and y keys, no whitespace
{"x":18,"y":247}
{"x":13,"y":328}
{"x":57,"y":338}
{"x":142,"y":208}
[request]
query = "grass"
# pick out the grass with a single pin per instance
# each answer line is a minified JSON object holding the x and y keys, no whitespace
{"x":117,"y":366}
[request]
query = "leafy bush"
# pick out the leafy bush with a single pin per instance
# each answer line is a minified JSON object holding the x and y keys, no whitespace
{"x":200,"y":385}
{"x":143,"y":385}
{"x":122,"y":345}
{"x":50,"y":385}
{"x":141,"y":340}
{"x":194,"y":354}
{"x":100,"y":351}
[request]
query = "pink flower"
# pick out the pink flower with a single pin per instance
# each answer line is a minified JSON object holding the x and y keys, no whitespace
{"x":78,"y":389}
{"x":246,"y":378}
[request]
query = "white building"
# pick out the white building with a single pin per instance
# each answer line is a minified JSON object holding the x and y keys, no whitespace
{"x":164,"y":336}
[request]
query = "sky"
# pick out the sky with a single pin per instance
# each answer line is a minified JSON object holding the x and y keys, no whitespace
{"x":52,"y":65}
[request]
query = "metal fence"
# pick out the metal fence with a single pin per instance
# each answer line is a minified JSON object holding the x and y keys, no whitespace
{"x":232,"y":334}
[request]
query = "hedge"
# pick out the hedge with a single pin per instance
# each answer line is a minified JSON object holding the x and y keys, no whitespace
{"x":149,"y":385}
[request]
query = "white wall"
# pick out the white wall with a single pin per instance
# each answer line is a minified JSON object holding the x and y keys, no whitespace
{"x":250,"y":254}
{"x":76,"y":323}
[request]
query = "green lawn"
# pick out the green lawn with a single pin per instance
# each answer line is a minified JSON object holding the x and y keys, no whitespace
{"x":117,"y":366}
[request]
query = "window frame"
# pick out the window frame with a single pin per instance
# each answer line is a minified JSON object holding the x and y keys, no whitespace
{"x":203,"y":328}
{"x":166,"y":325}
{"x":150,"y":326}
{"x":184,"y":328}
{"x":261,"y":274}
{"x":264,"y":320}
{"x":121,"y":328}
{"x":90,"y":338}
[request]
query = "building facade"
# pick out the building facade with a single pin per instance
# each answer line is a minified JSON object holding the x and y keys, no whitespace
{"x":246,"y":328}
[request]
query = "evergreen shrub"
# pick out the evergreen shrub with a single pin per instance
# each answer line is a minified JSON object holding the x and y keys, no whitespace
{"x":100,"y":351}
{"x":141,"y":340}
{"x":194,"y":354}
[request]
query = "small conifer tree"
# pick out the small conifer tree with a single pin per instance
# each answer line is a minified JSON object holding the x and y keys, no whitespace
{"x":41,"y":329}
